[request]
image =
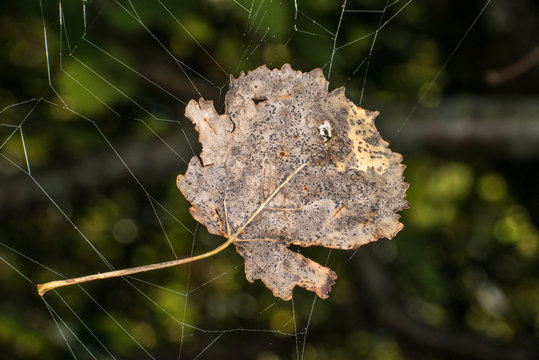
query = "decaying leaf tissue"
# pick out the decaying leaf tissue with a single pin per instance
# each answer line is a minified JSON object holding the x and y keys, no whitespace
{"x":289,"y":163}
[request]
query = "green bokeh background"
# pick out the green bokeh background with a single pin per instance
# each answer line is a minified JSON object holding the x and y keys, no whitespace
{"x":459,"y":281}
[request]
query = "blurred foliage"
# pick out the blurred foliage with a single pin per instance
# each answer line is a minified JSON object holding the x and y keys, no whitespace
{"x":121,"y":73}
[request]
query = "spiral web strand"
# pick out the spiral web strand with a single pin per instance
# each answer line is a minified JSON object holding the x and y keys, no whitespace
{"x":71,"y":40}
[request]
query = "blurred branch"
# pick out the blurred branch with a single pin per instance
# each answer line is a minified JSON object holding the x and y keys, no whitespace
{"x":465,"y":125}
{"x":448,"y":342}
{"x":488,"y":127}
{"x":497,"y":77}
{"x":150,"y":161}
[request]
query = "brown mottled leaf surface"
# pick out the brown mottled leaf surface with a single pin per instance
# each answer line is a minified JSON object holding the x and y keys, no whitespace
{"x":331,"y":180}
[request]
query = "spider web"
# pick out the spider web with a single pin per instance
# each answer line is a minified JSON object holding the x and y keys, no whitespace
{"x":99,"y":147}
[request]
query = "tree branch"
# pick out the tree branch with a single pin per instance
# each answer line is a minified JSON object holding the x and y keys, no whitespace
{"x":482,"y":126}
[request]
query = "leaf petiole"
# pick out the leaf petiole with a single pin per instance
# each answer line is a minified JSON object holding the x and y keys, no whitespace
{"x":43,"y":288}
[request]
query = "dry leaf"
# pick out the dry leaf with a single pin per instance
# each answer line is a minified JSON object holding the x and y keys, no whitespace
{"x":289,"y":163}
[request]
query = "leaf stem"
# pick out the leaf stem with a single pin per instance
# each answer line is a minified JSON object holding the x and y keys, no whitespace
{"x":43,"y":288}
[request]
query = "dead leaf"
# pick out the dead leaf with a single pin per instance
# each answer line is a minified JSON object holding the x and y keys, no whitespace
{"x":289,"y":163}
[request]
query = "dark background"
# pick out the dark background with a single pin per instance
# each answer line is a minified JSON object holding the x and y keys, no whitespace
{"x":459,"y":281}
